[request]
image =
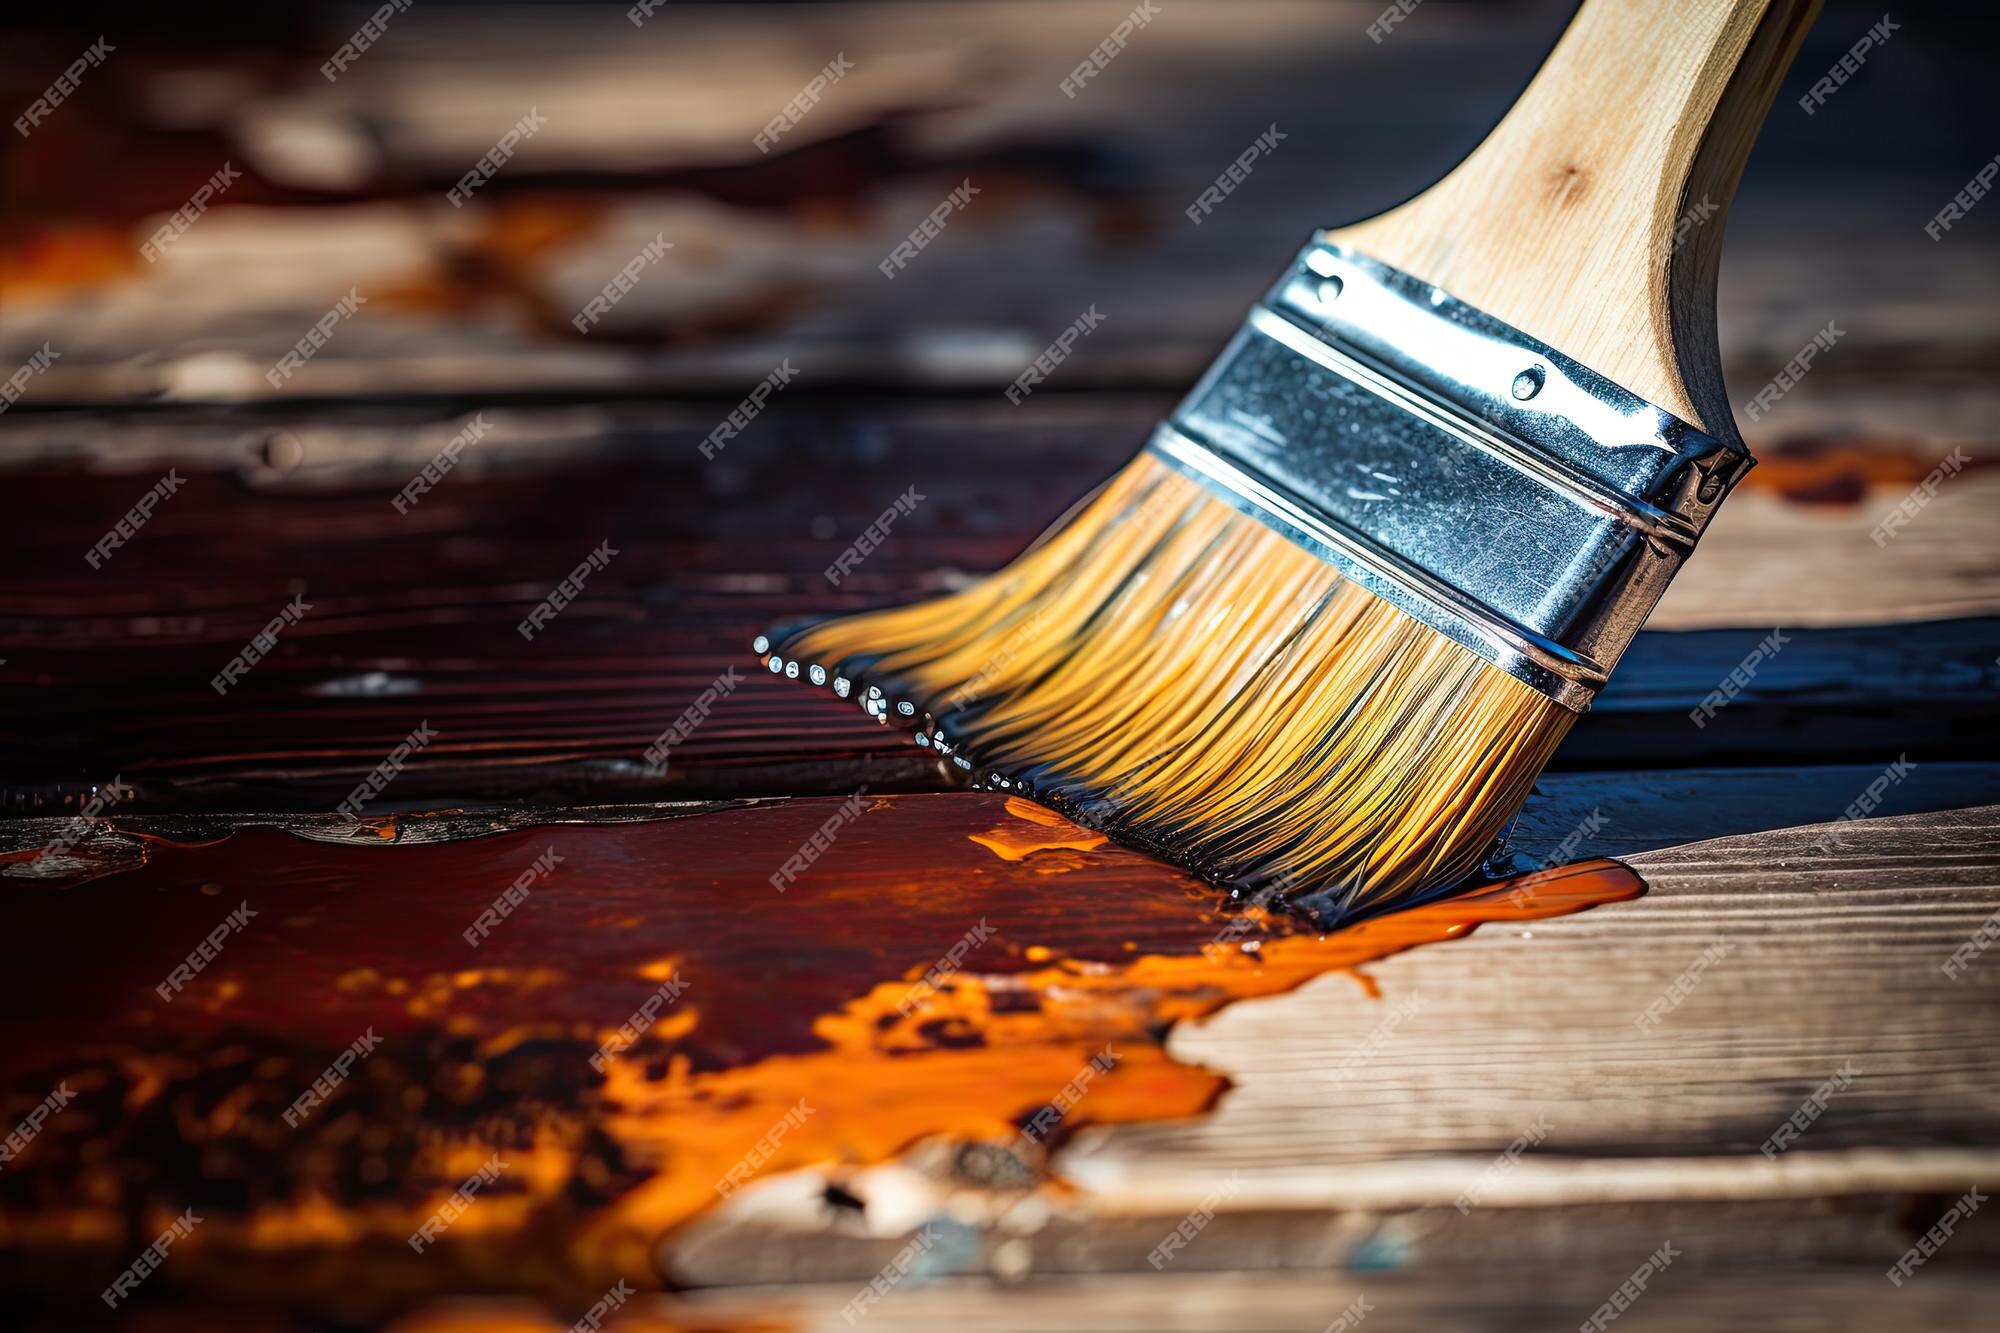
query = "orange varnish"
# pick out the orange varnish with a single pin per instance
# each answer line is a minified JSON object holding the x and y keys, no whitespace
{"x":1046,"y":831}
{"x":815,"y":1003}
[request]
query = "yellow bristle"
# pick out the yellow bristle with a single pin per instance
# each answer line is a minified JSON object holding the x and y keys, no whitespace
{"x":1184,"y":678}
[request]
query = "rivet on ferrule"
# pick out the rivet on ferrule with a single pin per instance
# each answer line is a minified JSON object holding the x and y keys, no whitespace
{"x":1481,"y":481}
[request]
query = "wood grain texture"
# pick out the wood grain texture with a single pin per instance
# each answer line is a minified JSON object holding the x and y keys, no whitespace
{"x":1833,"y":956}
{"x":1769,"y":559}
{"x":413,"y":615}
{"x":1562,"y":222}
{"x":1476,"y":1298}
{"x":1354,"y":1166}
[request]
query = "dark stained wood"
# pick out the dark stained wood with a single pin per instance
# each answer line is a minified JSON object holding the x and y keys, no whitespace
{"x":797,"y":989}
{"x":413,"y":615}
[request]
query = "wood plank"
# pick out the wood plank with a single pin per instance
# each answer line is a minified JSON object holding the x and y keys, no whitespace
{"x":1648,"y":1130}
{"x":1103,"y":179}
{"x":1621,"y":814}
{"x":1768,"y":562}
{"x":413,"y":615}
{"x":1482,"y":1297}
{"x":1478,"y":1298}
{"x":1327,"y":1160}
{"x":1853,"y":939}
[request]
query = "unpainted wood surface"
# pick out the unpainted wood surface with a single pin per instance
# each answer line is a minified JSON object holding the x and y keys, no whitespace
{"x":1832,"y":957}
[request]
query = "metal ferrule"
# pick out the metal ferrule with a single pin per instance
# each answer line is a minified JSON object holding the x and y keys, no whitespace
{"x":1477,"y":479}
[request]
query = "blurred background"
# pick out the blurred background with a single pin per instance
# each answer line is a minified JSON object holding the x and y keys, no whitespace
{"x":649,"y":130}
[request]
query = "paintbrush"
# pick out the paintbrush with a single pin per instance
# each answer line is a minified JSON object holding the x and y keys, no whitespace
{"x":1321,"y":635}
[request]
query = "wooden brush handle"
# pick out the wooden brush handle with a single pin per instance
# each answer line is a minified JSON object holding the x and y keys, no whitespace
{"x":1563,"y":221}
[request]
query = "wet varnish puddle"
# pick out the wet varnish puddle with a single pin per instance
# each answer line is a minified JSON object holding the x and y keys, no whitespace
{"x":810,"y":998}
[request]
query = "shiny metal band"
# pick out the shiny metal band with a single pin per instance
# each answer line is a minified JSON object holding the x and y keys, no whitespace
{"x":1470,"y":475}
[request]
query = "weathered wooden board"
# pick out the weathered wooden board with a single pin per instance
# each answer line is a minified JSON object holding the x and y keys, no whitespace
{"x":413,"y":616}
{"x":1352,"y":1122}
{"x":1499,"y":1298}
{"x":1832,"y":956}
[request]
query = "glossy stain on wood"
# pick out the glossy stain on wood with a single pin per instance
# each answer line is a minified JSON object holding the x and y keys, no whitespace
{"x":812,"y":1002}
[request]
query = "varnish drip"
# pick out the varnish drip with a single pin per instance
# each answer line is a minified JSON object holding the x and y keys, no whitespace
{"x":1034,"y":829}
{"x":827,"y":1009}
